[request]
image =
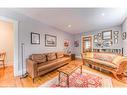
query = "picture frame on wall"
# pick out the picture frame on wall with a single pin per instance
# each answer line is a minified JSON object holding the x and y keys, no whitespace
{"x":107,"y":35}
{"x":116,"y":37}
{"x":107,"y":43}
{"x":35,"y":38}
{"x":115,"y":40}
{"x":99,"y":34}
{"x":116,"y":32}
{"x":124,"y":35}
{"x":66,"y":43}
{"x":76,"y":43}
{"x":50,"y":40}
{"x":95,"y":38}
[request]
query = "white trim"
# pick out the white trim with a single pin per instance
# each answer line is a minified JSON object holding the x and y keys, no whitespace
{"x":78,"y":57}
{"x":15,"y":23}
{"x":82,"y":41}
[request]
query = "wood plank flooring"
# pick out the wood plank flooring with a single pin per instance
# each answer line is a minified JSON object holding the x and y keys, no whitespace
{"x":7,"y":78}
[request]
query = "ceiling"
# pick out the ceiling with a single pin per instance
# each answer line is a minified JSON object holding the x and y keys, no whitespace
{"x":77,"y":20}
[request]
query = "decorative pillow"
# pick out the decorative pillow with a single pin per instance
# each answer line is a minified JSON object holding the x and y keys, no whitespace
{"x":60,"y":54}
{"x":51,"y":56}
{"x":40,"y":58}
{"x":97,"y":56}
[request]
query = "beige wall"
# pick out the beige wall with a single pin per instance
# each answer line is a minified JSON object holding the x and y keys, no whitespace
{"x":7,"y":40}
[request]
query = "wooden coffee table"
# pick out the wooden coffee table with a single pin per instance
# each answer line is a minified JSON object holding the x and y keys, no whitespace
{"x":68,"y":70}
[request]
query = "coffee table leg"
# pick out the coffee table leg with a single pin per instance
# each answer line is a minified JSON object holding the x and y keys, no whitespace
{"x":59,"y":79}
{"x":81,"y":69}
{"x":67,"y":80}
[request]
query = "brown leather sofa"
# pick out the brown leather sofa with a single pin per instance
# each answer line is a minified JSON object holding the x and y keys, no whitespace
{"x":115,"y":63}
{"x":40,"y":64}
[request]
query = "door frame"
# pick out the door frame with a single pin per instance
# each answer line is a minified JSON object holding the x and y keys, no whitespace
{"x":15,"y":24}
{"x":82,"y":42}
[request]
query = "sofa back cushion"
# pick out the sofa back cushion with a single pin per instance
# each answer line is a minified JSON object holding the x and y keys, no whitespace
{"x":104,"y":56}
{"x":51,"y":56}
{"x":60,"y":54}
{"x":40,"y":58}
{"x":88,"y":54}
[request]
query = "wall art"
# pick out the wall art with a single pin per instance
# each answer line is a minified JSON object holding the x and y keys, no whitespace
{"x":50,"y":40}
{"x":35,"y":38}
{"x":124,"y":35}
{"x":107,"y":35}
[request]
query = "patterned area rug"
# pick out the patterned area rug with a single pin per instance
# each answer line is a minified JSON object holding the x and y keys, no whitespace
{"x":85,"y":80}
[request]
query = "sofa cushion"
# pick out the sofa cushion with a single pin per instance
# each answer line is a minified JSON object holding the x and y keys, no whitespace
{"x":104,"y":56}
{"x":60,"y":54}
{"x":53,"y":63}
{"x":51,"y":56}
{"x":63,"y":59}
{"x":40,"y":58}
{"x":105,"y":63}
{"x":50,"y":64}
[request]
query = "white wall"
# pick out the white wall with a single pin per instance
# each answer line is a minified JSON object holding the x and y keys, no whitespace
{"x":28,"y":25}
{"x":7,"y":40}
{"x":124,"y":29}
{"x":78,"y":37}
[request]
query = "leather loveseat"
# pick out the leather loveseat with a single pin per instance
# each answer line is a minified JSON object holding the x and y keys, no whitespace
{"x":115,"y":63}
{"x":40,"y":64}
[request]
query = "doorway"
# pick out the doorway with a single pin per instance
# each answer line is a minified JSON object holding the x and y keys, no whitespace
{"x":13,"y":60}
{"x":86,"y":44}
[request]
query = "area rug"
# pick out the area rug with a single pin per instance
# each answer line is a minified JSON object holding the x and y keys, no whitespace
{"x":85,"y":80}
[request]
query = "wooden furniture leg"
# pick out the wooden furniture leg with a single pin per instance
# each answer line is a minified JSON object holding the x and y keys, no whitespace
{"x":67,"y":80}
{"x":59,"y":79}
{"x":3,"y":64}
{"x":81,"y":69}
{"x":117,"y":76}
{"x":33,"y":80}
{"x":2,"y":58}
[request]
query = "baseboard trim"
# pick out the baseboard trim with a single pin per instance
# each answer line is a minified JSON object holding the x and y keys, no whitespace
{"x":78,"y":57}
{"x":21,"y":73}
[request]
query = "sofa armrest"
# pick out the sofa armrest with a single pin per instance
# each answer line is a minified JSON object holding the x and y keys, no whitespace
{"x":31,"y":67}
{"x":122,"y":66}
{"x":66,"y":55}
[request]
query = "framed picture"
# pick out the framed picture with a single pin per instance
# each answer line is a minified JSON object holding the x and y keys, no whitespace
{"x":95,"y":38}
{"x":35,"y":38}
{"x":107,"y":35}
{"x":124,"y":35}
{"x":107,"y":43}
{"x":116,"y":37}
{"x":115,"y":40}
{"x":50,"y":40}
{"x":99,"y":34}
{"x":116,"y":32}
{"x":76,"y":43}
{"x":66,"y":43}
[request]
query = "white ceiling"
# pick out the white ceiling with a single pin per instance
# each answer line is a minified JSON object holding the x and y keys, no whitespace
{"x":80,"y":19}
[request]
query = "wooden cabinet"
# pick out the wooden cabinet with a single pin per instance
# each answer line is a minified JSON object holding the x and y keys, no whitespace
{"x":72,"y":56}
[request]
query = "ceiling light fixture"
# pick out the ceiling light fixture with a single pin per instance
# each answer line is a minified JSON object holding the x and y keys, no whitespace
{"x":69,"y":25}
{"x":103,"y":14}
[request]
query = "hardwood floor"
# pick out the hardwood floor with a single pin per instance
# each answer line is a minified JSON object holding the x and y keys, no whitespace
{"x":7,"y":78}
